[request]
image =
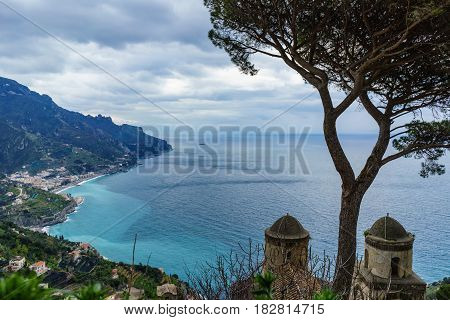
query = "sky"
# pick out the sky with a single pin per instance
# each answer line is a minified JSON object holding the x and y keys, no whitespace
{"x":120,"y":58}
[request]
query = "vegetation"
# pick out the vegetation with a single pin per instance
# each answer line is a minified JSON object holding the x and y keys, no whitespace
{"x":17,"y":287}
{"x":88,"y":276}
{"x":42,"y":203}
{"x":326,"y":294}
{"x":35,"y":207}
{"x":80,"y":161}
{"x":5,"y":199}
{"x":439,"y":290}
{"x":263,"y":283}
{"x":91,"y":292}
{"x":391,"y":57}
{"x":34,"y":246}
{"x":229,"y":276}
{"x":443,"y":293}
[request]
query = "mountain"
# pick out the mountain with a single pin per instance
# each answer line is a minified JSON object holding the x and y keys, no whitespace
{"x":36,"y":133}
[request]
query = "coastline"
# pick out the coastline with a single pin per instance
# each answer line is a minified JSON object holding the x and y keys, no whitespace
{"x":82,"y":181}
{"x":78,"y":183}
{"x":79,"y":200}
{"x":71,"y":209}
{"x":95,"y":176}
{"x":62,"y":216}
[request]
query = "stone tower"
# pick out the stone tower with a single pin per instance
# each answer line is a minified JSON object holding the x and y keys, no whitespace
{"x":286,"y":243}
{"x":386,"y":271}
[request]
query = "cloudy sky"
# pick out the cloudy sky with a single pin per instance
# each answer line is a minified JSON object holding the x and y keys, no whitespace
{"x":116,"y":57}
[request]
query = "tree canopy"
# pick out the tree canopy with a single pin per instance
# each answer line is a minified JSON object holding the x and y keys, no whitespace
{"x":391,"y":57}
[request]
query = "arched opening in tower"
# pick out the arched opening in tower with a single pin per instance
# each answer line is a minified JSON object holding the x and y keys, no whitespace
{"x":366,"y":258}
{"x":395,"y":267}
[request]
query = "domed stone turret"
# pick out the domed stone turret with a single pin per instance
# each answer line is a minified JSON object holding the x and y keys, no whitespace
{"x":286,"y":242}
{"x":287,"y":227}
{"x":387,"y":270}
{"x":388,"y":249}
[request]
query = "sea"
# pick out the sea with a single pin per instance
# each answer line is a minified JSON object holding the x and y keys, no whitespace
{"x":208,"y":197}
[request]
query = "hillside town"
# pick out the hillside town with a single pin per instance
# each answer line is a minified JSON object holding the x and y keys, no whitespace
{"x":72,"y":265}
{"x":56,"y":179}
{"x":50,"y":179}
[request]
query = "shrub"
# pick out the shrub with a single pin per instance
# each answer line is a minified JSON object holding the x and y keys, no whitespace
{"x":263,"y":284}
{"x":91,"y":292}
{"x":17,"y":287}
{"x":443,"y":293}
{"x":326,"y":294}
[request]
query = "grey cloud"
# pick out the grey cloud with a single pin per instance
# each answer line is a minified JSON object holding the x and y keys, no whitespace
{"x":160,"y":49}
{"x":113,"y":23}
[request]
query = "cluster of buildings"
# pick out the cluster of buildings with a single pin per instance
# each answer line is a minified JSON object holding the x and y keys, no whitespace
{"x":84,"y":248}
{"x":49,"y":179}
{"x":15,"y":264}
{"x":18,"y":262}
{"x":385,"y":273}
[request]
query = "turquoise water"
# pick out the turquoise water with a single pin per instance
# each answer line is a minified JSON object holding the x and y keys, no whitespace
{"x":185,"y":218}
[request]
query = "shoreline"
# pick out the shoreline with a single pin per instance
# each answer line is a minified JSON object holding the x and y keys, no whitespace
{"x":46,"y":228}
{"x":122,"y":169}
{"x":60,"y":190}
{"x":78,"y":183}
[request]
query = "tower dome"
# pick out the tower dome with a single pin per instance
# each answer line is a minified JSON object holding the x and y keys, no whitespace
{"x":388,"y":234}
{"x":388,"y":228}
{"x":287,"y":227}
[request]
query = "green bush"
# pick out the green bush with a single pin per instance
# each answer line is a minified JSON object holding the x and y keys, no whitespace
{"x":17,"y":287}
{"x":263,"y":283}
{"x":326,"y":294}
{"x":443,"y":293}
{"x":92,"y":292}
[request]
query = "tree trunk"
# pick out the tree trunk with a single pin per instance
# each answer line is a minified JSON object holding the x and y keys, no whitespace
{"x":348,"y":221}
{"x":353,"y":188}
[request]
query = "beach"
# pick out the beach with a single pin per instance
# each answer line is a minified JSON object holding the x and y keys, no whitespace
{"x":77,"y":183}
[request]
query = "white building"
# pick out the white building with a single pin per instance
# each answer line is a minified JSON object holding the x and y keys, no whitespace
{"x":39,"y":267}
{"x":16,"y":263}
